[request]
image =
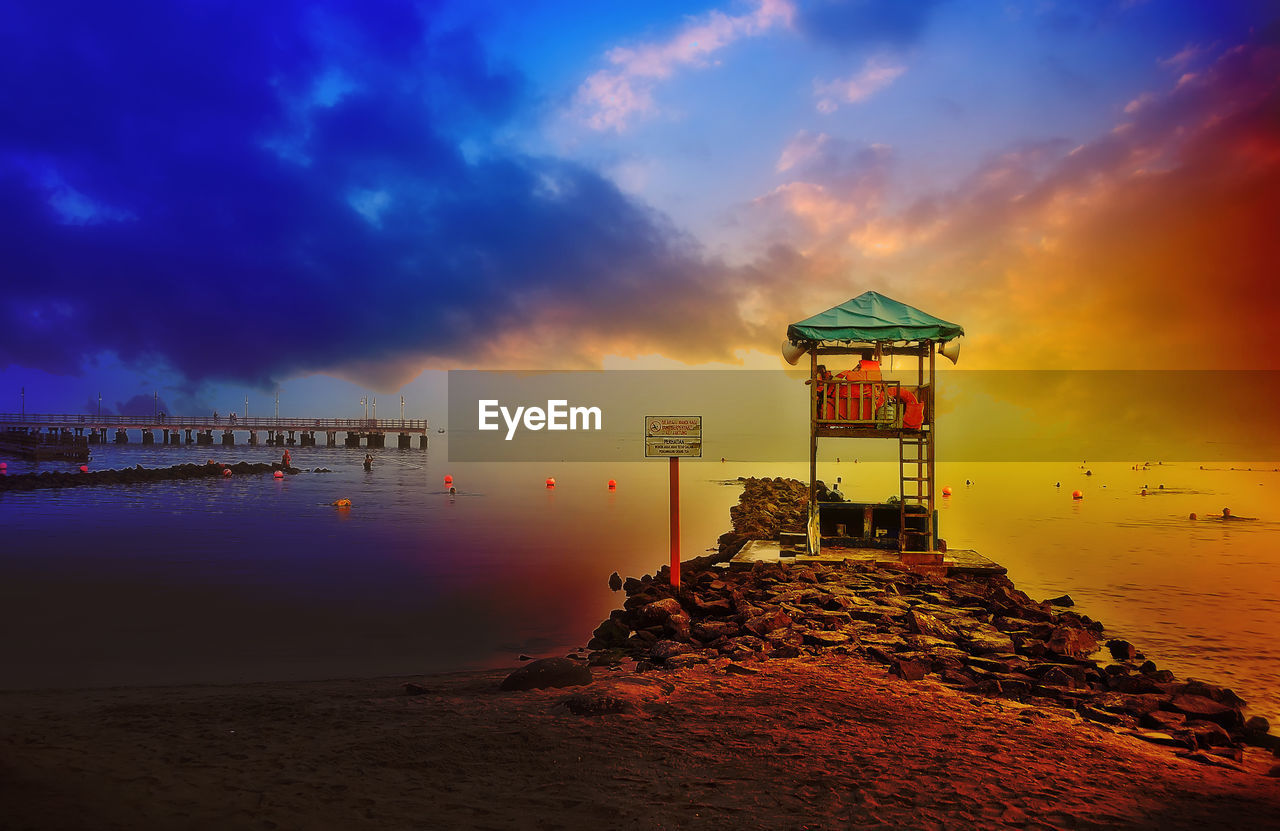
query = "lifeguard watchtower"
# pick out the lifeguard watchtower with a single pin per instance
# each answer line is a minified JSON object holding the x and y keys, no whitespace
{"x":850,"y":397}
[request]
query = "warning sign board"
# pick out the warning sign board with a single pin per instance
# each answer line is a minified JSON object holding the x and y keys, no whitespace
{"x":671,"y":436}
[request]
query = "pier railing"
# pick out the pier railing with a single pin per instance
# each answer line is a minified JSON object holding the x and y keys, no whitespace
{"x":221,"y":422}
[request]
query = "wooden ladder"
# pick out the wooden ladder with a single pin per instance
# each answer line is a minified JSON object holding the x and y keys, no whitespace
{"x":915,"y":493}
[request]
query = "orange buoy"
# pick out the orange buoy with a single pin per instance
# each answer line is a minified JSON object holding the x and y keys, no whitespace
{"x":279,"y":474}
{"x":1077,"y":494}
{"x":551,"y":483}
{"x":946,"y":491}
{"x":448,"y":480}
{"x":84,"y":468}
{"x":226,"y":471}
{"x":613,"y":485}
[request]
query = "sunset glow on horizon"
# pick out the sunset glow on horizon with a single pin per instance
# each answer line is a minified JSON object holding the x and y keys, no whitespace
{"x":211,"y":202}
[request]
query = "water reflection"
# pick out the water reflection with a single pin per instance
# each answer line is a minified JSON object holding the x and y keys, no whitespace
{"x":252,"y":578}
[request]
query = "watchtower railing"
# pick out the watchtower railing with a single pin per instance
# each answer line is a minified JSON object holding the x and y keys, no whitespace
{"x":860,"y":403}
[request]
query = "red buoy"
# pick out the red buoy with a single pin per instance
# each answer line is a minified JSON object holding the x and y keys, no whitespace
{"x":279,"y":474}
{"x":946,"y":491}
{"x":613,"y":485}
{"x":226,"y":471}
{"x":84,"y":468}
{"x":551,"y":483}
{"x":1077,"y":494}
{"x":448,"y":480}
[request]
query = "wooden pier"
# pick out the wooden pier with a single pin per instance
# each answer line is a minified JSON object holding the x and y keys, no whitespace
{"x":51,"y":431}
{"x":43,"y":446}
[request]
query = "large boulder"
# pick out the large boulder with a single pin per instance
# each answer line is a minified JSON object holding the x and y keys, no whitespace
{"x":1122,"y":650}
{"x":668,"y":613}
{"x":710,"y":630}
{"x":1256,"y":729}
{"x":1073,"y":642}
{"x":613,"y":632}
{"x":987,"y":640}
{"x":1163,"y":720}
{"x":922,"y":624}
{"x":547,"y":672}
{"x":660,"y":611}
{"x":1206,"y":709}
{"x":766,"y":622}
{"x":665,"y":650}
{"x":909,"y":670}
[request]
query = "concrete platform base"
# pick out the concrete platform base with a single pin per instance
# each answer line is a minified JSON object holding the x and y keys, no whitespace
{"x":954,"y":561}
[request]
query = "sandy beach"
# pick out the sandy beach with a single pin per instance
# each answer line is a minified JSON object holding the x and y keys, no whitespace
{"x":811,"y":742}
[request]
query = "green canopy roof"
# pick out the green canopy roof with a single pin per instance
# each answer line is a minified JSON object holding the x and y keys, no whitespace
{"x":873,"y":317}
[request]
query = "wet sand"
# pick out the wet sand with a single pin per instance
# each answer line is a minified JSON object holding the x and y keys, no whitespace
{"x":811,"y":742}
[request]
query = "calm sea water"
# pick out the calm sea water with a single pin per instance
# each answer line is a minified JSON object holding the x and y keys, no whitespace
{"x":252,"y":578}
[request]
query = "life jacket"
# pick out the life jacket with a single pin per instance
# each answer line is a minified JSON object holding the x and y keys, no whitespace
{"x":845,"y":399}
{"x":843,"y":402}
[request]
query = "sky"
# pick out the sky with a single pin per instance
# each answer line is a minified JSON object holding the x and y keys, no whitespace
{"x":208,"y":202}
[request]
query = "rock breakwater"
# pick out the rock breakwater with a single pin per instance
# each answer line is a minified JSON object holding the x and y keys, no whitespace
{"x":133,"y":475}
{"x":977,"y":633}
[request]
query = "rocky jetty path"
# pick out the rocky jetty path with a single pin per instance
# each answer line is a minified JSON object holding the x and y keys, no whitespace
{"x":135,"y":475}
{"x":978,"y":634}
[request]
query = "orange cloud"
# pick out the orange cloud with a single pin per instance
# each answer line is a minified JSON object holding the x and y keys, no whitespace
{"x":1148,"y":247}
{"x":1154,"y":245}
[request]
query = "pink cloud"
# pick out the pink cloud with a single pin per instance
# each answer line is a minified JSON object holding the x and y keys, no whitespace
{"x":610,"y":98}
{"x":1182,"y":58}
{"x":804,"y":147}
{"x":876,"y":74}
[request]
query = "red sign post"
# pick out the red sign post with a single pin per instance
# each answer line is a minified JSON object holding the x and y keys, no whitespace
{"x":673,"y":437}
{"x":675,"y":522}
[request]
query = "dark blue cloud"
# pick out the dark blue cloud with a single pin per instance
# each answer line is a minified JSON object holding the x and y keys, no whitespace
{"x":871,"y":23}
{"x":140,"y":405}
{"x":248,"y":191}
